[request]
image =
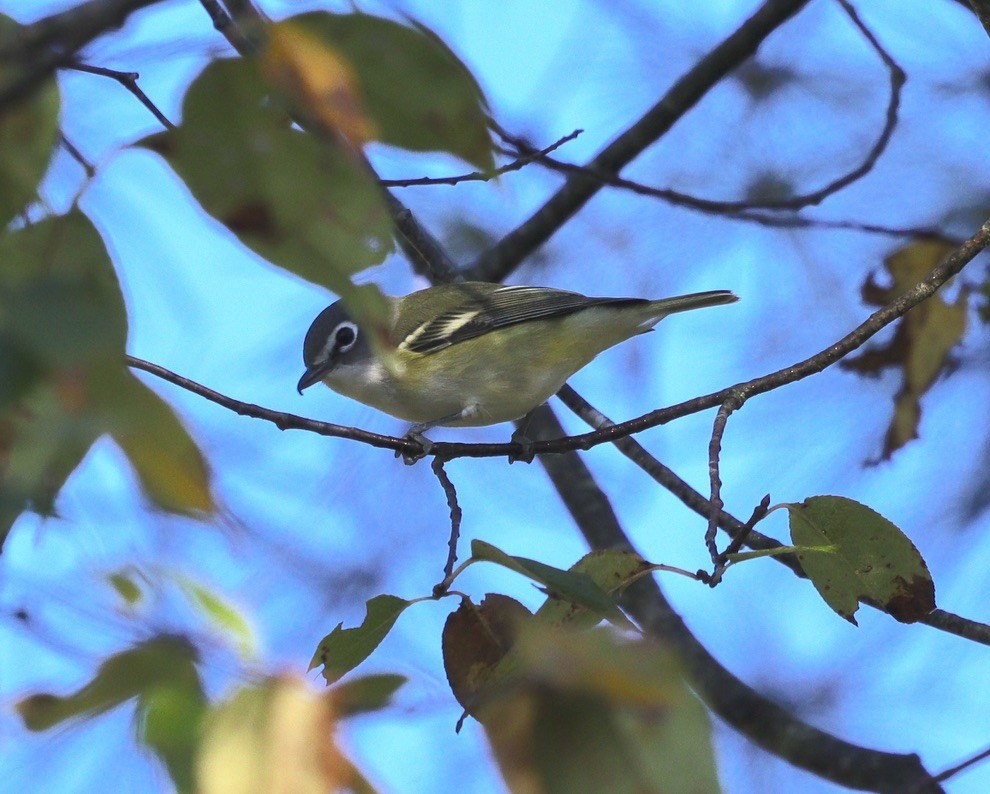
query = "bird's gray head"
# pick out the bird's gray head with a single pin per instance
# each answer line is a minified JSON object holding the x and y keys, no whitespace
{"x":333,"y":340}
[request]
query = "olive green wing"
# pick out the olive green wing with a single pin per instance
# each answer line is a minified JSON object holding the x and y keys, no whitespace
{"x":467,"y":311}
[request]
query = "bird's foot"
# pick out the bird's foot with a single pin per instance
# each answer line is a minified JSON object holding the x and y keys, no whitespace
{"x":415,"y":435}
{"x":526,"y":453}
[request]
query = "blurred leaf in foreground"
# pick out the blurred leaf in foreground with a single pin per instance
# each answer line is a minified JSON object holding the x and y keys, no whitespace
{"x":277,"y":736}
{"x":320,"y":83}
{"x":591,"y":711}
{"x":301,"y":201}
{"x":164,"y":661}
{"x":28,"y":136}
{"x":418,"y":93}
{"x":63,"y":330}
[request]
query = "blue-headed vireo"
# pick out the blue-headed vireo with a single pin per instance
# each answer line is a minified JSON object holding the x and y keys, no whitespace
{"x":477,"y":353}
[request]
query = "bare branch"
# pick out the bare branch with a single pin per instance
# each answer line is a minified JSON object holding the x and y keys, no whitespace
{"x":129,"y":81}
{"x":482,"y":176}
{"x":427,"y":256}
{"x":455,"y":522}
{"x":502,"y":258}
{"x":282,"y":421}
{"x":227,"y":28}
{"x":78,"y":156}
{"x":983,"y":755}
{"x":711,"y":207}
{"x":733,"y":403}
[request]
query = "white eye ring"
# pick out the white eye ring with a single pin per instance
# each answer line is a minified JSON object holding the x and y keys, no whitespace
{"x":344,"y":336}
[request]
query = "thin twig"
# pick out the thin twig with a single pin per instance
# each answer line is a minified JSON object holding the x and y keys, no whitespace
{"x":739,"y":539}
{"x":78,"y":156}
{"x":733,"y":403}
{"x":129,"y":81}
{"x":741,"y":209}
{"x":283,"y":421}
{"x":455,"y":519}
{"x":952,"y":771}
{"x":482,"y":176}
{"x":668,"y":479}
{"x":712,"y":207}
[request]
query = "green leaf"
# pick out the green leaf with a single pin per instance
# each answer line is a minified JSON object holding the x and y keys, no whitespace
{"x":302,"y":202}
{"x":418,"y":93}
{"x":126,"y":587}
{"x":361,"y":695}
{"x":167,"y":461}
{"x":777,"y":551}
{"x":63,"y":330}
{"x":28,"y":136}
{"x":170,"y":719}
{"x":872,"y":559}
{"x":573,"y":586}
{"x":344,"y":649}
{"x":610,"y":570}
{"x":220,"y":613}
{"x":162,"y":661}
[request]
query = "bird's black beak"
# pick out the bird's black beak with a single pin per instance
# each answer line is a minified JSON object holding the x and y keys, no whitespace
{"x":315,"y":374}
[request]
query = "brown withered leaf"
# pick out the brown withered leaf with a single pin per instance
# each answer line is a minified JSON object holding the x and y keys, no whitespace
{"x":475,"y":640}
{"x":923,"y":342}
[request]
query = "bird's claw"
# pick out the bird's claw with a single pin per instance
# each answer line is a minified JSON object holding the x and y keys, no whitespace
{"x":411,"y":457}
{"x":527,"y":452}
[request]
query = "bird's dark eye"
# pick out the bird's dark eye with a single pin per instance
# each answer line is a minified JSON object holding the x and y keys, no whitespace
{"x":344,"y":336}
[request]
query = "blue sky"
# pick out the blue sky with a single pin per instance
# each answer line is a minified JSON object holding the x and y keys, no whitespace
{"x":312,"y":527}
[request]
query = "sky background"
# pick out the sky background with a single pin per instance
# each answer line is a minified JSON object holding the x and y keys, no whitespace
{"x":312,"y":527}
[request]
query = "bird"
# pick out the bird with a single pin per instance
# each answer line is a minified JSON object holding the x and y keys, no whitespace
{"x":476,"y":353}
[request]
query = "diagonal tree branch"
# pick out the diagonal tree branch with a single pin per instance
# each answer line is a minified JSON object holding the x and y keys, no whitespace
{"x":501,"y":259}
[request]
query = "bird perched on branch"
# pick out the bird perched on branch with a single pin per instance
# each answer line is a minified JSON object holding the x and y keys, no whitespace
{"x":476,"y":353}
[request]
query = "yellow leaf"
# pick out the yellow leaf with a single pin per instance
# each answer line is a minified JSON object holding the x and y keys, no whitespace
{"x":318,"y":82}
{"x":275,"y":738}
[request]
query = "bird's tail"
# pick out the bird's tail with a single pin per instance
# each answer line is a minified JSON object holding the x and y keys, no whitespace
{"x":697,"y":300}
